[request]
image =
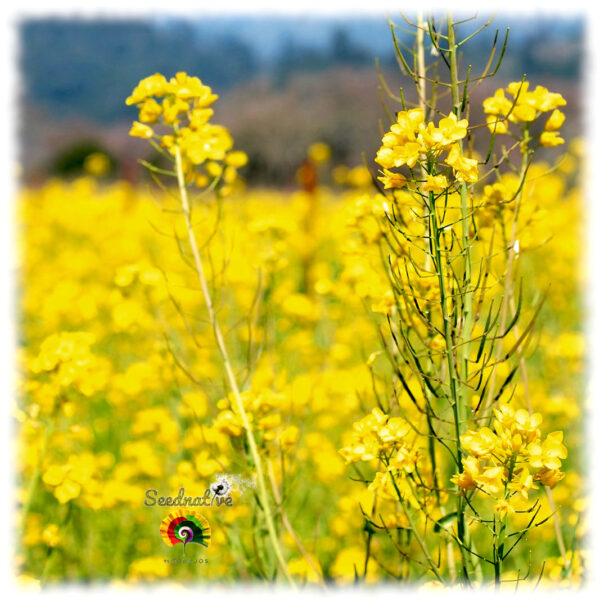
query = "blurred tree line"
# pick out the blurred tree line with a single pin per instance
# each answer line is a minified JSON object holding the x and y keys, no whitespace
{"x":88,"y":67}
{"x":283,"y":83}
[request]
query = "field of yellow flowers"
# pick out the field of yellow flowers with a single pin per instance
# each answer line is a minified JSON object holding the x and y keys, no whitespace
{"x":116,"y":396}
{"x":352,"y":383}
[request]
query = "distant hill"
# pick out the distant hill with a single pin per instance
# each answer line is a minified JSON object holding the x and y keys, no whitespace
{"x":76,"y":67}
{"x":283,"y":83}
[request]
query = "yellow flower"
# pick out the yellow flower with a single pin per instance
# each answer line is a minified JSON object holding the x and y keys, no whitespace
{"x":155,"y":85}
{"x":498,"y":104}
{"x":518,"y":88}
{"x":392,"y":180}
{"x":69,"y":479}
{"x":167,"y":141}
{"x":172,"y":107}
{"x":236,"y":159}
{"x":96,"y":163}
{"x":55,"y":474}
{"x":503,"y":507}
{"x":395,"y":521}
{"x":211,"y":143}
{"x":140,"y":130}
{"x":530,"y":104}
{"x":359,"y":177}
{"x":497,"y":124}
{"x":201,"y":180}
{"x":551,"y":139}
{"x":186,"y":98}
{"x":549,"y":453}
{"x":404,"y":459}
{"x":496,"y":193}
{"x":407,"y":154}
{"x":527,"y":424}
{"x":150,"y":111}
{"x":365,"y":450}
{"x":438,"y":343}
{"x":510,"y":424}
{"x":319,"y":152}
{"x":385,"y":304}
{"x":51,"y":536}
{"x":465,"y":169}
{"x":436,"y":184}
{"x":382,"y":484}
{"x":270,"y":421}
{"x":186,"y":87}
{"x":64,"y":347}
{"x":305,"y":570}
{"x":543,"y":100}
{"x":522,"y":113}
{"x":289,"y":436}
{"x":555,"y":121}
{"x":68,"y":490}
{"x":200,"y":117}
{"x":214,"y":169}
{"x":371,"y":423}
{"x":467,"y":480}
{"x":407,"y":124}
{"x":451,"y":130}
{"x":348,"y":563}
{"x":150,"y":568}
{"x":479,"y":443}
{"x":385,"y":157}
{"x":197,"y":403}
{"x":229,"y":423}
{"x":549,"y":477}
{"x":32,"y":532}
{"x":524,"y":484}
{"x":492,"y":480}
{"x":393,"y":431}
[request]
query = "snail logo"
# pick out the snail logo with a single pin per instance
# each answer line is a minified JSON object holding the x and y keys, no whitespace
{"x":185,"y":526}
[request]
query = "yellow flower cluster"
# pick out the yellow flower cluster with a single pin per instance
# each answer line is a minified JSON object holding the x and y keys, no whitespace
{"x":380,"y":436}
{"x":183,"y":105}
{"x":263,"y":409}
{"x":67,"y":362}
{"x":149,"y":568}
{"x":500,"y":460}
{"x":410,"y":141}
{"x":73,"y":478}
{"x":525,"y":107}
{"x":97,"y":296}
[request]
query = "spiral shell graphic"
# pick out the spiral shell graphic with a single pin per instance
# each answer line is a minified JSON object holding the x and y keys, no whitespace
{"x":185,"y":526}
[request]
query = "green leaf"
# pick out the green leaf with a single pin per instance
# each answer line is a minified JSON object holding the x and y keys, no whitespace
{"x":445,"y":522}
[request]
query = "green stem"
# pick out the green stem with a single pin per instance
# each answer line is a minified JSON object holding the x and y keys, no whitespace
{"x":262,"y":489}
{"x":415,"y":531}
{"x":467,"y":296}
{"x":460,"y":502}
{"x":499,"y":553}
{"x":435,"y":235}
{"x":502,"y":533}
{"x":52,"y":549}
{"x":466,"y":322}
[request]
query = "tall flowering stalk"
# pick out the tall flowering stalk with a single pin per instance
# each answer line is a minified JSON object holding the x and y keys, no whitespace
{"x":456,"y":444}
{"x":202,"y":155}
